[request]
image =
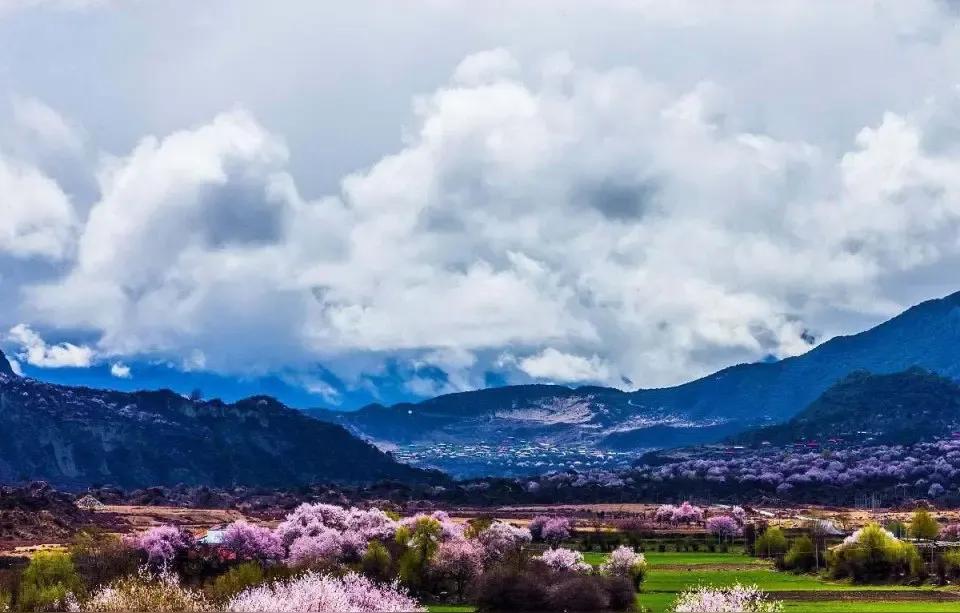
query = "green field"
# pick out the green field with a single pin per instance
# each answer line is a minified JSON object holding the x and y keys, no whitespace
{"x":671,"y":572}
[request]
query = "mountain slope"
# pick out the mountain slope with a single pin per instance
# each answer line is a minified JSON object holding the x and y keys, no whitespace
{"x":76,"y":436}
{"x":925,"y":335}
{"x":900,"y":408}
{"x":709,"y":408}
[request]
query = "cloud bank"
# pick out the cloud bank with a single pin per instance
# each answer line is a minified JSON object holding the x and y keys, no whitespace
{"x":544,"y":219}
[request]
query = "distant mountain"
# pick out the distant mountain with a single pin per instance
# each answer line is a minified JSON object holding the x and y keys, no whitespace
{"x":710,"y":408}
{"x":75,"y":437}
{"x":900,"y":408}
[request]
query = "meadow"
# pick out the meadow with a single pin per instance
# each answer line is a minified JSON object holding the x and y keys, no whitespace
{"x":671,"y":572}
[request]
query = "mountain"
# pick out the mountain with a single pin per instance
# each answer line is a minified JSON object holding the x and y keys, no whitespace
{"x":900,"y":408}
{"x":709,"y":408}
{"x":76,"y":437}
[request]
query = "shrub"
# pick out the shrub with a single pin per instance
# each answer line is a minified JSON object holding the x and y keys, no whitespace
{"x":317,"y":592}
{"x":923,"y":525}
{"x":873,"y":554}
{"x":626,"y":563}
{"x":801,"y":557}
{"x":739,"y":598}
{"x":145,"y":592}
{"x":101,"y":558}
{"x":48,"y":581}
{"x":578,"y":594}
{"x":772,"y":543}
{"x":897,"y":528}
{"x":376,"y":562}
{"x":951,"y":560}
{"x":235,"y":580}
{"x":511,"y":590}
{"x":623,"y":596}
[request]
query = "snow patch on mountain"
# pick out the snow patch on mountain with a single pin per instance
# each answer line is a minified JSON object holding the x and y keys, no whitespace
{"x":573,"y":410}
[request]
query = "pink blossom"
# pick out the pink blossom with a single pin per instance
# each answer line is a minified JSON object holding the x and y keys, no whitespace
{"x":325,"y":546}
{"x":624,"y":562}
{"x":556,"y":529}
{"x":733,"y":599}
{"x":460,"y":560}
{"x":950,"y":532}
{"x":311,"y":520}
{"x":163,"y":543}
{"x":723,"y":526}
{"x":250,"y":542}
{"x":665,"y":513}
{"x":687,"y":513}
{"x":501,"y":539}
{"x":316,"y":592}
{"x":564,"y":560}
{"x":371,"y":524}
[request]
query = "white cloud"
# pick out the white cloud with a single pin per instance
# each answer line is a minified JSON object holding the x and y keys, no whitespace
{"x":15,"y":367}
{"x":38,"y":353}
{"x":45,"y":124}
{"x":554,"y":365}
{"x":120,"y":370}
{"x":36,"y":216}
{"x":606,"y":211}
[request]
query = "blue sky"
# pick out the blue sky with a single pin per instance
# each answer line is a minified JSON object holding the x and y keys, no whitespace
{"x":339,"y":203}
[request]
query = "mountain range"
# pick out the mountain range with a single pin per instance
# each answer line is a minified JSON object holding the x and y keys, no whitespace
{"x":900,"y":408}
{"x":704,"y":410}
{"x":77,"y":436}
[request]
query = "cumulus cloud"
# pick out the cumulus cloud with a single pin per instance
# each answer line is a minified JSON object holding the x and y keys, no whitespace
{"x":36,"y":216}
{"x":38,"y":353}
{"x":601,"y":211}
{"x":120,"y":370}
{"x":603,"y":214}
{"x":554,"y":365}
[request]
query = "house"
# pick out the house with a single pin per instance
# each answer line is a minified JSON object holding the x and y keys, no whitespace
{"x":214,"y":536}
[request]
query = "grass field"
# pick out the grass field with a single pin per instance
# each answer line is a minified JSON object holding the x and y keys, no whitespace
{"x":672,"y":572}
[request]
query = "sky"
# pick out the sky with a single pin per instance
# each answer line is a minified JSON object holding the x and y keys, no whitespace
{"x":347,"y":202}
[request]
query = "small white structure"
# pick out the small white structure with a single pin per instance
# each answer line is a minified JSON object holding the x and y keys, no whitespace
{"x":212,"y":537}
{"x":89,"y":503}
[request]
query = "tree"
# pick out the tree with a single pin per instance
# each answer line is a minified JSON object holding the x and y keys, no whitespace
{"x":723,"y":526}
{"x":802,"y":555}
{"x":923,"y":526}
{"x":772,"y":543}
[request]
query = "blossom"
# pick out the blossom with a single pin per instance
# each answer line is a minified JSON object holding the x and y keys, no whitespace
{"x":624,"y":562}
{"x":564,"y":560}
{"x":326,"y":546}
{"x":145,"y":592}
{"x":687,"y":513}
{"x":736,"y":598}
{"x":250,"y":542}
{"x":723,"y":526}
{"x":317,"y":592}
{"x":311,"y":520}
{"x":500,"y":539}
{"x":163,"y":543}
{"x":371,"y":524}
